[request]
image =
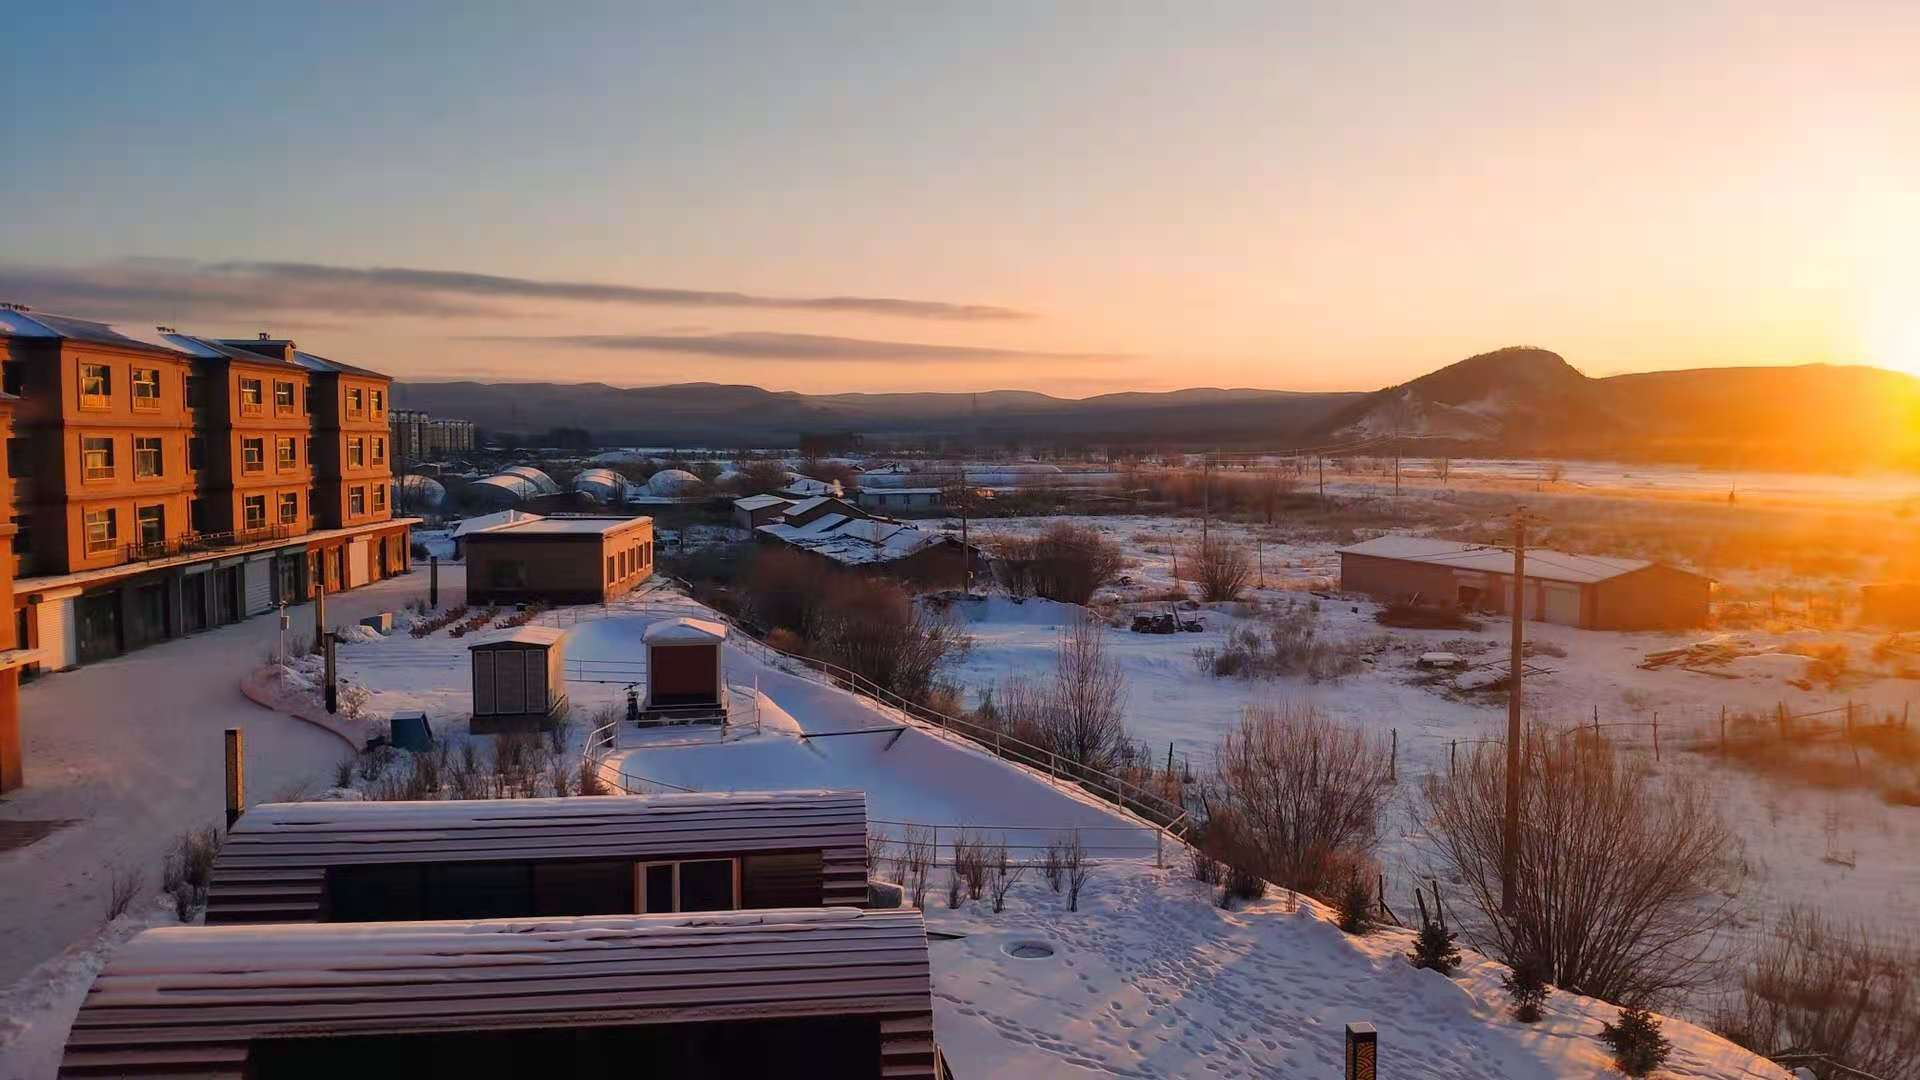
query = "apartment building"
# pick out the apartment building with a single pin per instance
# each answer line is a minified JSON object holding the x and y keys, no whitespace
{"x":420,"y":437}
{"x":166,"y":483}
{"x":12,"y":656}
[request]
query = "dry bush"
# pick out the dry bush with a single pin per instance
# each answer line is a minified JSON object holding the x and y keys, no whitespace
{"x":1073,"y":861}
{"x":786,"y":590}
{"x":970,"y":862}
{"x":1623,"y":878}
{"x":1055,"y":864}
{"x":1294,"y":796}
{"x":188,"y":870}
{"x":560,"y":776}
{"x":588,"y":781}
{"x":1085,"y":724}
{"x":873,"y":629}
{"x":1002,"y":873}
{"x":1067,"y":563}
{"x":1412,"y":616}
{"x":1829,"y":991}
{"x":915,"y":862}
{"x":123,"y":888}
{"x":879,"y":851}
{"x":1223,"y":569}
{"x":955,"y":885}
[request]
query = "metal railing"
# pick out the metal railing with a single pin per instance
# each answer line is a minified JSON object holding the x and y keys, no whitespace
{"x":1133,"y":795}
{"x":600,"y":743}
{"x":892,"y":836}
{"x":195,"y":543}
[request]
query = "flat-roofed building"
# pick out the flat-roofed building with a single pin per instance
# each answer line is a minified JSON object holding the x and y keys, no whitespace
{"x":560,"y":559}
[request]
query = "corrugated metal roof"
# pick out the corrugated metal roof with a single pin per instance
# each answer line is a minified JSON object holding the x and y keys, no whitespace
{"x":191,"y":998}
{"x":1542,"y":563}
{"x":273,"y":864}
{"x":41,"y":324}
{"x":760,"y":502}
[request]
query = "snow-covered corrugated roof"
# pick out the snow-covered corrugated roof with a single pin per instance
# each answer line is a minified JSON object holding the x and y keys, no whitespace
{"x":1543,"y":563}
{"x":489,"y":521}
{"x":856,"y":541}
{"x":524,"y":635}
{"x":805,"y":505}
{"x":759,"y":502}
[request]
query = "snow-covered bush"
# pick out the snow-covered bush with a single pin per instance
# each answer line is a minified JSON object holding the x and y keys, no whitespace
{"x":1637,"y":1045}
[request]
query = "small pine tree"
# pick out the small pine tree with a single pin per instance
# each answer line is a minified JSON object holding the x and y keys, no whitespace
{"x":1638,"y":1047}
{"x":1354,"y":905}
{"x":1527,"y":985}
{"x":1434,"y":949}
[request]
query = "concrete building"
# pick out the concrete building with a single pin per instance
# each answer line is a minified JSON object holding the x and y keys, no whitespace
{"x":420,"y":437}
{"x":1589,"y":591}
{"x":757,"y":510}
{"x":563,"y":560}
{"x":166,"y":483}
{"x":896,"y":500}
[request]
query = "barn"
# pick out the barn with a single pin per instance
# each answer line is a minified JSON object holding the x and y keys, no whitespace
{"x":514,"y":858}
{"x":1589,"y":591}
{"x":819,"y":992}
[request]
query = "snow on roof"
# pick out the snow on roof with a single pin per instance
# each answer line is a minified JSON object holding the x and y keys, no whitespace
{"x":806,"y":485}
{"x":685,"y":631}
{"x":856,"y":541}
{"x":759,"y":502}
{"x":1543,"y":563}
{"x":807,"y":504}
{"x":524,"y":635}
{"x":40,"y":324}
{"x":571,"y":526}
{"x":489,"y":521}
{"x":194,"y":998}
{"x":671,"y":482}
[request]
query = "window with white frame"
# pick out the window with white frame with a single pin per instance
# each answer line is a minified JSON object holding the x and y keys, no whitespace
{"x":688,"y":885}
{"x":96,"y":457}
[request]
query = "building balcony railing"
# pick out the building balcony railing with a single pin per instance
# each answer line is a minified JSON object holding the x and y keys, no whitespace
{"x":195,"y":543}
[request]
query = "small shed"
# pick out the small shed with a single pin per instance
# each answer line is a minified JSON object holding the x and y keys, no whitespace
{"x":823,"y":992}
{"x":757,"y":510}
{"x":510,"y":858}
{"x":519,"y":681}
{"x":686,"y":678}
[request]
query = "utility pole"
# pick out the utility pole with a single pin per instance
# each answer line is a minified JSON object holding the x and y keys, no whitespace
{"x":1206,"y":497}
{"x":1322,"y":459}
{"x":1517,"y":609}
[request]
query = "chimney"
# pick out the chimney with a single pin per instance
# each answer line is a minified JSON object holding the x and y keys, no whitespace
{"x":11,"y":306}
{"x":264,"y":336}
{"x":166,"y":330}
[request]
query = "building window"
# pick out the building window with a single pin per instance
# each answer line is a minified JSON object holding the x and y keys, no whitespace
{"x":150,"y":523}
{"x":96,"y":386}
{"x":309,"y":397}
{"x":282,"y":398}
{"x":612,"y":573}
{"x":692,"y":885}
{"x":283,"y":452}
{"x":17,"y":457}
{"x":196,"y":453}
{"x":289,"y":508}
{"x":146,"y":389}
{"x":357,"y":500}
{"x":23,"y":539}
{"x":253,"y":454}
{"x":146,"y":457}
{"x":355,"y":402}
{"x":357,"y":452}
{"x":309,"y":451}
{"x":254,"y":511}
{"x":252,"y":397}
{"x":379,"y":450}
{"x":380,"y":499}
{"x":196,"y":392}
{"x":13,"y":377}
{"x":102,"y":531}
{"x":96,"y":456}
{"x":379,"y":403}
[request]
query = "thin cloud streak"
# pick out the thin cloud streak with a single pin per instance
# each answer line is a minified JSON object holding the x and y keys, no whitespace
{"x":762,"y":345}
{"x":141,"y":287}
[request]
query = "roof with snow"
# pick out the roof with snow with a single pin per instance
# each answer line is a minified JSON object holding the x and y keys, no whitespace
{"x":272,"y":867}
{"x":1542,"y":563}
{"x":856,"y":541}
{"x":670,"y":482}
{"x":563,"y":525}
{"x":17,"y":320}
{"x":807,"y":486}
{"x":523,"y":635}
{"x":759,"y":502}
{"x":198,"y":999}
{"x":685,"y":631}
{"x":488,"y":521}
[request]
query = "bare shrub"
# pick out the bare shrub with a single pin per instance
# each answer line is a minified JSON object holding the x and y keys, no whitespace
{"x":1415,"y":616}
{"x":1002,"y":873}
{"x":873,"y":629}
{"x":879,"y":850}
{"x":1055,"y":863}
{"x":786,"y":590}
{"x":188,"y":870}
{"x":375,"y":761}
{"x":1067,"y":563}
{"x":1074,"y":861}
{"x":123,"y":888}
{"x":516,"y":763}
{"x":916,"y":862}
{"x":1085,"y":724}
{"x":1221,"y":568}
{"x":343,"y":772}
{"x":955,"y":885}
{"x":970,"y":862}
{"x":430,"y":771}
{"x":1623,"y":878}
{"x":557,"y":737}
{"x":1204,"y":867}
{"x":560,"y":776}
{"x":588,"y":782}
{"x":1829,"y":991}
{"x":1295,"y":796}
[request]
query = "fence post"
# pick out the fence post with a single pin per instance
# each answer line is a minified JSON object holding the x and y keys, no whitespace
{"x":1393,"y":759}
{"x":236,"y":777}
{"x":1656,"y":736}
{"x":1723,"y":729}
{"x":1160,"y":848}
{"x":1453,"y":750}
{"x":1363,"y":1051}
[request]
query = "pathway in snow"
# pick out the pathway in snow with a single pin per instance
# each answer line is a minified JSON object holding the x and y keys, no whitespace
{"x":131,"y":747}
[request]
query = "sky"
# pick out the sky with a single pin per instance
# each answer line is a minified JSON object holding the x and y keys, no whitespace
{"x":1073,"y":198}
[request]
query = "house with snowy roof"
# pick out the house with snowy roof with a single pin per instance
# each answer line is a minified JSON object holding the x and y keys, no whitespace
{"x":1593,"y":592}
{"x":894,"y":548}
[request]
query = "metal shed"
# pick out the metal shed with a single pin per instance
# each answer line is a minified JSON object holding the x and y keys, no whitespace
{"x":519,"y":681}
{"x":686,"y":679}
{"x":847,"y":992}
{"x":323,"y":861}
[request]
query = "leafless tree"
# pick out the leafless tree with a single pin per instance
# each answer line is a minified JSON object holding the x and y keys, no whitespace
{"x":873,"y":629}
{"x":1623,"y":879}
{"x":1830,"y":992}
{"x":970,"y":855}
{"x":1442,"y":469}
{"x":916,"y":862}
{"x":1067,"y":563}
{"x":1073,"y":859}
{"x":1297,"y":797}
{"x":1002,"y":872}
{"x":1084,"y":724}
{"x":1223,"y":569}
{"x":1055,"y":863}
{"x":123,"y":888}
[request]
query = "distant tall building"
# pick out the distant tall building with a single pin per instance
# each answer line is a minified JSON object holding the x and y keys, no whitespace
{"x":419,"y":437}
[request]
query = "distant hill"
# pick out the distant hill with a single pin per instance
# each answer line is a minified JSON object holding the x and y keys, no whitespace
{"x":1521,"y":400}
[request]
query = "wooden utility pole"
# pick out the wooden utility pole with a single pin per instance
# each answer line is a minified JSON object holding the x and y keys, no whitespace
{"x":1322,"y":460}
{"x":1206,"y":497}
{"x":1517,"y":609}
